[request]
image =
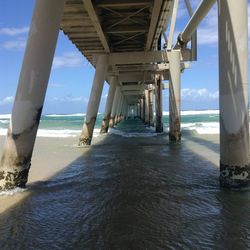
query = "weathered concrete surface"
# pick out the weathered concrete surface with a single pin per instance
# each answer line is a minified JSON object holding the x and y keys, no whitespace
{"x":174,"y":96}
{"x":151,"y":107}
{"x":233,"y":86}
{"x":94,"y":101}
{"x":158,"y":106}
{"x":115,"y":107}
{"x":32,"y":86}
{"x":109,"y":103}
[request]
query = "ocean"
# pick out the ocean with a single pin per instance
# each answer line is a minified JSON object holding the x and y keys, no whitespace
{"x":69,"y":125}
{"x":131,"y":189}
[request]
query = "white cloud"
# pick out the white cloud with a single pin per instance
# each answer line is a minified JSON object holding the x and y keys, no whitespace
{"x":199,"y":94}
{"x":68,"y":60}
{"x":17,"y":44}
{"x":7,"y":100}
{"x":14,"y":31}
{"x":70,"y":98}
{"x":208,"y":30}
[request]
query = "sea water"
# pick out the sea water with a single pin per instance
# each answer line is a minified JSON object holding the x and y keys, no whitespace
{"x":130,"y":193}
{"x":70,"y":125}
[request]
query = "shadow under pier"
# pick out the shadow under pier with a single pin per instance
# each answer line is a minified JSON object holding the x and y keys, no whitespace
{"x":123,"y":193}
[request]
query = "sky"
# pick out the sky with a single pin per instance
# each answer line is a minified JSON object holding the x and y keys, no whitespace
{"x":71,"y":75}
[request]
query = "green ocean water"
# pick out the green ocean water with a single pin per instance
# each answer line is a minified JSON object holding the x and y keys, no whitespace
{"x":66,"y":125}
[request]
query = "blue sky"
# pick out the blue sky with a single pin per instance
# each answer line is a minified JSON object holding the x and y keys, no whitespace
{"x":71,"y":75}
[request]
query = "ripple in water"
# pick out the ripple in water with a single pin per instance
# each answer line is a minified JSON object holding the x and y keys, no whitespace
{"x":131,"y":196}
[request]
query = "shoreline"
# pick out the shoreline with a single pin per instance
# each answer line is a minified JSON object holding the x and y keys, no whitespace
{"x":50,"y":157}
{"x":53,"y":155}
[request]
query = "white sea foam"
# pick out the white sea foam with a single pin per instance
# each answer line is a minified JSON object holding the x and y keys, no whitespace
{"x":12,"y":192}
{"x":131,"y":134}
{"x":62,"y":133}
{"x":202,"y":127}
{"x":67,"y":115}
{"x":200,"y":112}
{"x":3,"y":131}
{"x":57,"y":133}
{"x":196,"y":112}
{"x":5,"y":116}
{"x":96,"y":132}
{"x":4,"y":121}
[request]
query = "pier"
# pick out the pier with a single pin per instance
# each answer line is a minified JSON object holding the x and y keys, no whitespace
{"x":127,"y":43}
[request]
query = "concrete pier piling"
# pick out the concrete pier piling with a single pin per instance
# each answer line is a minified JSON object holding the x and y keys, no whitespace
{"x":147,"y":107}
{"x":174,"y":96}
{"x":151,"y":106}
{"x":32,"y":86}
{"x":144,"y":108}
{"x":118,"y":108}
{"x":233,"y":88}
{"x":94,"y":100}
{"x":138,"y":109}
{"x":114,"y":107}
{"x":141,"y":108}
{"x":109,"y":103}
{"x":158,"y":104}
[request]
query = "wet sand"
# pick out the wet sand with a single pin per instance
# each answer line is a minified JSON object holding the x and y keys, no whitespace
{"x":50,"y":156}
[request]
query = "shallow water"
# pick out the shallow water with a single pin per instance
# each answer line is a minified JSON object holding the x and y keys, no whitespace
{"x":131,"y":193}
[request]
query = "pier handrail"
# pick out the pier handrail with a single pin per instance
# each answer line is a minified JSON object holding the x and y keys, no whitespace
{"x":201,"y":11}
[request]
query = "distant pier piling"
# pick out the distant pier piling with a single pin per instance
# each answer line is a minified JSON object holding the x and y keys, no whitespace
{"x":158,"y":104}
{"x":114,"y":107}
{"x":109,"y":103}
{"x":94,"y":100}
{"x":151,"y":106}
{"x":147,"y":107}
{"x":118,"y":109}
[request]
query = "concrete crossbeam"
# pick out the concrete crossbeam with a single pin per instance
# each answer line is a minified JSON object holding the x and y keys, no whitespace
{"x":145,"y":57}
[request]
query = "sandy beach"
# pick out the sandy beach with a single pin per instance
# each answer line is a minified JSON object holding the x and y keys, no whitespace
{"x":50,"y":156}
